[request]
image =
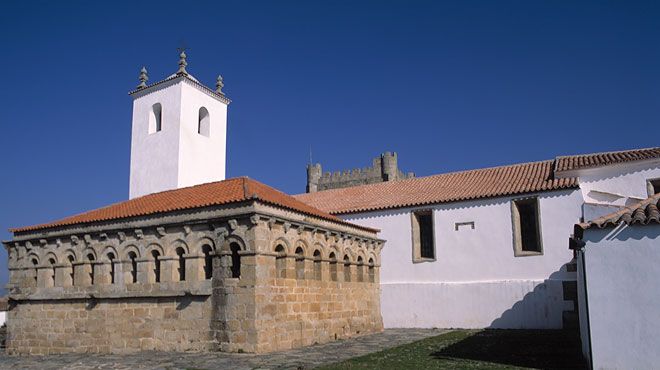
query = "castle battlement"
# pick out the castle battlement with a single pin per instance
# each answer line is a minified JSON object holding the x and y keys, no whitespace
{"x":383,"y":168}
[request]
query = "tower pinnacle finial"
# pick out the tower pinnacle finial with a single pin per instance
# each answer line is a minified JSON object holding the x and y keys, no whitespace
{"x":219,"y":84}
{"x":143,"y":78}
{"x":182,"y":63}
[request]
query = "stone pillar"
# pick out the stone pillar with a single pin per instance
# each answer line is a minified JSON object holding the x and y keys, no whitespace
{"x":63,"y":275}
{"x":82,"y":273}
{"x":45,"y":278}
{"x":102,"y":273}
{"x":290,"y":269}
{"x":127,"y":272}
{"x":194,"y":267}
{"x":325,"y":271}
{"x":119,"y":271}
{"x":309,"y":269}
{"x":145,"y":271}
{"x":169,"y":269}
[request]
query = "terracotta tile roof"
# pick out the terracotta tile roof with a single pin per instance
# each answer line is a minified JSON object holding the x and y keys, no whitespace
{"x":643,"y":213}
{"x":211,"y":194}
{"x":573,"y":162}
{"x":449,"y":187}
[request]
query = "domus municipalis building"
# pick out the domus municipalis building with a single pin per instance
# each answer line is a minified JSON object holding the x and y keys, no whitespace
{"x":231,"y":265}
{"x":196,"y":262}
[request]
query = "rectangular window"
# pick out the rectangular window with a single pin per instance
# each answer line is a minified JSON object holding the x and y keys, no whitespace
{"x":423,"y":236}
{"x":526,"y":227}
{"x":653,"y":186}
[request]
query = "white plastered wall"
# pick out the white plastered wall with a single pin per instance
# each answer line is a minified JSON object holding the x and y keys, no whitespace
{"x":177,"y":156}
{"x":618,"y":185}
{"x":201,"y":158}
{"x":476,"y":281}
{"x":622,"y":275}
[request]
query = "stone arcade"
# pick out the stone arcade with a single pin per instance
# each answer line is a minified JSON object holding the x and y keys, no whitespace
{"x":232,"y":265}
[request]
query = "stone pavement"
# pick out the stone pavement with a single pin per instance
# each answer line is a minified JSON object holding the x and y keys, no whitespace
{"x":301,"y":358}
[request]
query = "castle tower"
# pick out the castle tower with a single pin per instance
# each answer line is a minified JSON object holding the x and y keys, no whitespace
{"x":179,"y":133}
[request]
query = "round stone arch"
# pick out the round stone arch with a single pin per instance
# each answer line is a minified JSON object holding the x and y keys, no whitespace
{"x":128,"y":249}
{"x":233,"y":239}
{"x":31,"y":258}
{"x":201,"y":243}
{"x":300,"y":243}
{"x":51,"y":256}
{"x":284,"y":242}
{"x":321,"y":248}
{"x":87,"y":252}
{"x":359,"y":255}
{"x":154,"y":247}
{"x":347,"y":251}
{"x":334,"y":249}
{"x":69,"y":253}
{"x":372,"y":256}
{"x":178,"y":243}
{"x":107,"y":250}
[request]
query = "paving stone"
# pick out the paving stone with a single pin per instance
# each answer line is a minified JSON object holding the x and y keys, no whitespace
{"x":301,"y":358}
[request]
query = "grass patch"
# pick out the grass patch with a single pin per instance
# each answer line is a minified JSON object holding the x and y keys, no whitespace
{"x":479,"y":349}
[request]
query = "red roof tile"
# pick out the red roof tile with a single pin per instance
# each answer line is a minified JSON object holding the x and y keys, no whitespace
{"x":573,"y":162}
{"x":642,"y":213}
{"x":211,"y":194}
{"x":449,"y":187}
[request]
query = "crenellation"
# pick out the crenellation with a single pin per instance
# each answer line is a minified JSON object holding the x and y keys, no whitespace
{"x":384,"y":168}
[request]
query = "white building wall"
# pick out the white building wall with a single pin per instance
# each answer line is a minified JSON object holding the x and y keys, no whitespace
{"x":154,"y":159}
{"x":618,"y":185}
{"x":3,"y":318}
{"x":476,"y":281}
{"x":622,"y":275}
{"x":201,"y":158}
{"x":177,"y":156}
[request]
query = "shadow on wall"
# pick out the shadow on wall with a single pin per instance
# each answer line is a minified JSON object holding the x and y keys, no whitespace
{"x":541,"y":349}
{"x":553,"y":301}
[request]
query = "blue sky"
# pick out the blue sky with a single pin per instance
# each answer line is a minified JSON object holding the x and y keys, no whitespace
{"x":448,"y":85}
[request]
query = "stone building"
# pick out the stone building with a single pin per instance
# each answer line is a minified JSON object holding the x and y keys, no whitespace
{"x":384,"y":168}
{"x":232,"y":265}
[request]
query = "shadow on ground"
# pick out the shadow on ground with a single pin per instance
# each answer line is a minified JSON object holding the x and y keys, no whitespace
{"x":546,"y":349}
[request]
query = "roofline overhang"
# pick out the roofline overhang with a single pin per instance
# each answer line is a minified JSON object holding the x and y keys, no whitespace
{"x":173,"y":80}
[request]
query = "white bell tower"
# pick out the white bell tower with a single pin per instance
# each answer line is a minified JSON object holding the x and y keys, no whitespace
{"x":179,"y":133}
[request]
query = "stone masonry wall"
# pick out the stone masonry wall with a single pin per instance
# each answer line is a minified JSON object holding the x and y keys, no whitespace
{"x":384,"y":168}
{"x":111,"y":325}
{"x":254,"y":279}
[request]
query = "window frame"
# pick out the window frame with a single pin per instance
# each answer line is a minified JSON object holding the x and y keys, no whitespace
{"x":415,"y":229}
{"x":517,"y":230}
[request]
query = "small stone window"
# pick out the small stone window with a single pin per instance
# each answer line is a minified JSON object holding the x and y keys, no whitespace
{"x":111,"y":258}
{"x":235,"y":260}
{"x":204,"y":122}
{"x":300,"y":263}
{"x":91,"y":259}
{"x":208,"y":262}
{"x":133,"y":257}
{"x":360,"y":269}
{"x":35,"y":263}
{"x":372,"y":272}
{"x":182,"y":263}
{"x":50,"y":282}
{"x":526,"y":227}
{"x":280,"y":261}
{"x":317,"y":265}
{"x":72,"y":274}
{"x":347,"y":268}
{"x":156,"y":271}
{"x":333,"y":266}
{"x":156,"y":118}
{"x":653,"y":186}
{"x":423,"y":239}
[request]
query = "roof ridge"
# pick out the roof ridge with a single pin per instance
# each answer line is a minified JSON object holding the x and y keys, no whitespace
{"x":413,"y":179}
{"x":605,"y":153}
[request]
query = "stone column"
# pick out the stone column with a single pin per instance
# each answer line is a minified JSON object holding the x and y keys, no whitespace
{"x":325,"y":270}
{"x":127,"y":272}
{"x":45,"y":278}
{"x":194,"y":267}
{"x":83,"y":273}
{"x":63,"y":275}
{"x":169,"y":269}
{"x":102,"y":273}
{"x":145,"y":271}
{"x":309,"y":269}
